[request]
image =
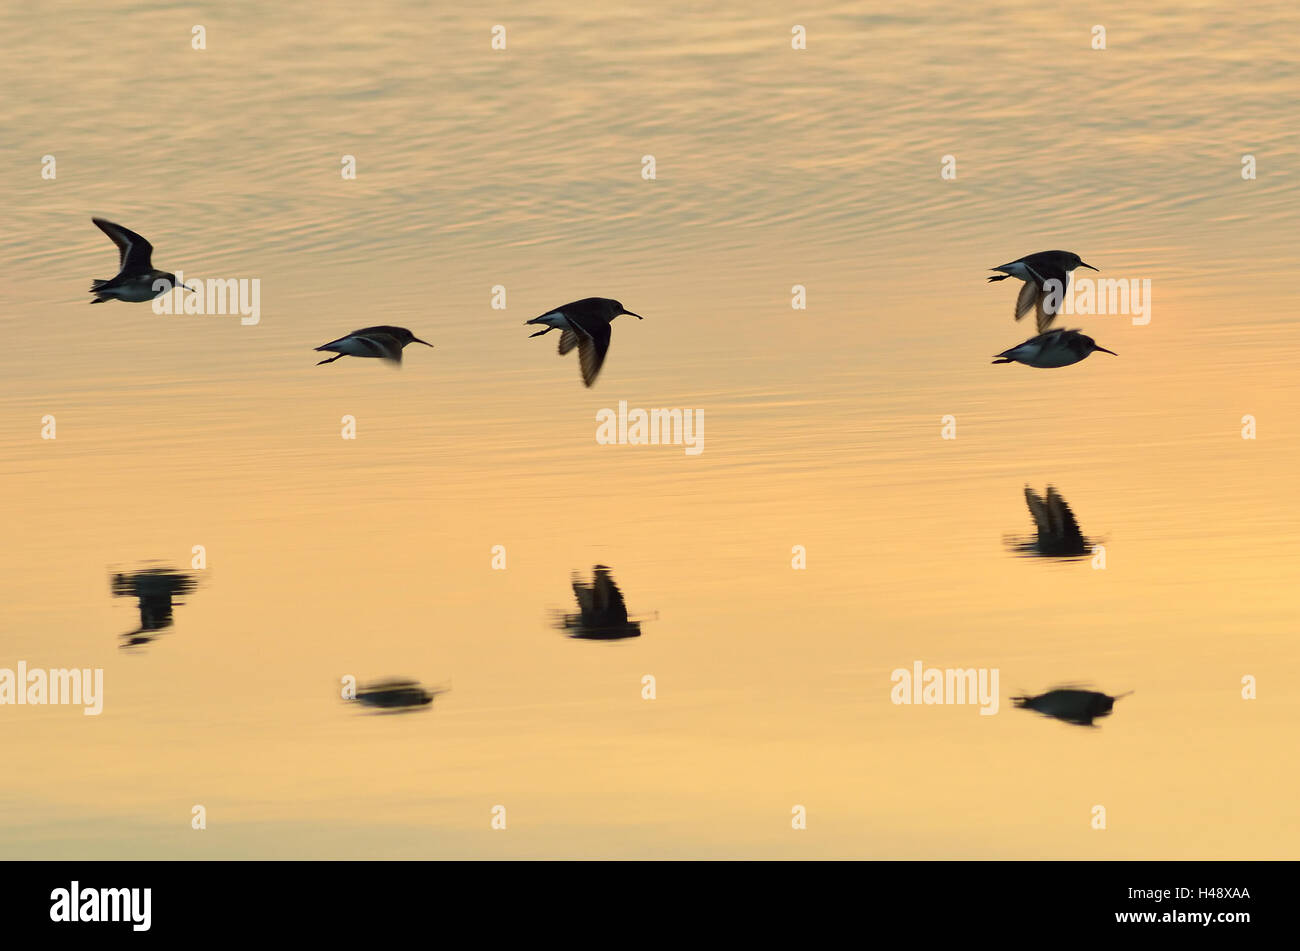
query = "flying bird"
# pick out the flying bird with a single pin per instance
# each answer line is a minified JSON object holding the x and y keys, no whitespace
{"x":1036,"y":270}
{"x":584,"y":324}
{"x":1070,"y":704}
{"x":1058,"y":532}
{"x":398,"y":694}
{"x":602,"y":610}
{"x":1056,"y":348}
{"x":154,"y":588}
{"x":386,"y":343}
{"x":137,"y":279}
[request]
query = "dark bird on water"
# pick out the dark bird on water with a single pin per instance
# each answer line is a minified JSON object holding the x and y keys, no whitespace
{"x":386,"y":343}
{"x":1056,"y":348}
{"x":1058,"y":531}
{"x":584,"y":324}
{"x":137,"y":279}
{"x":1037,"y":270}
{"x":397,"y":694}
{"x":1070,"y":704}
{"x":155,"y":588}
{"x":603,"y":612}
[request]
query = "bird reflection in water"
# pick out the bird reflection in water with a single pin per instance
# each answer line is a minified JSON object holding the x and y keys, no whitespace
{"x":155,"y":588}
{"x":1071,"y":704}
{"x":1058,"y":533}
{"x":397,"y":696}
{"x":602,"y":611}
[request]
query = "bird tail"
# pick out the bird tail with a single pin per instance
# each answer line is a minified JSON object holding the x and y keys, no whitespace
{"x":97,"y":283}
{"x":998,"y":277}
{"x":1004,"y":360}
{"x":1020,"y":701}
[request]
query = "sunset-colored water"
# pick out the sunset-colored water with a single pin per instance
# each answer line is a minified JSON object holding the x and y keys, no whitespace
{"x":774,"y":167}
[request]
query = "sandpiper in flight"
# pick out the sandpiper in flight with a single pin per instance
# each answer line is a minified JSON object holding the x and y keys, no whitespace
{"x":1058,"y":530}
{"x":137,"y":279}
{"x":1070,"y":704}
{"x":602,"y":611}
{"x":584,"y":324}
{"x":397,"y":694}
{"x":386,"y":343}
{"x":1036,"y":270}
{"x":1056,"y":348}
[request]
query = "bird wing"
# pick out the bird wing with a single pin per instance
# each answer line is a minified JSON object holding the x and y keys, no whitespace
{"x":385,"y":347}
{"x":1063,"y":520}
{"x":1030,"y":293}
{"x":609,"y":600}
{"x":134,"y":252}
{"x":1037,"y":509}
{"x":593,"y":344}
{"x":585,"y":595}
{"x":1043,"y":315}
{"x":1033,"y":295}
{"x":367,"y":343}
{"x":1047,"y":312}
{"x":568,"y":340}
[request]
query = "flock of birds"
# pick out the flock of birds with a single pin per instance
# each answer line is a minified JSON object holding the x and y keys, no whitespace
{"x":602,"y":616}
{"x":585,"y":324}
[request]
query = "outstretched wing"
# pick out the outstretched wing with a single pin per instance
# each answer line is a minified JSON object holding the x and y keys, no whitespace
{"x":611,"y":608}
{"x":585,"y":595}
{"x":593,"y":344}
{"x":1028,"y":298}
{"x":134,"y":252}
{"x":1063,"y":521}
{"x":568,"y":340}
{"x":1037,"y":509}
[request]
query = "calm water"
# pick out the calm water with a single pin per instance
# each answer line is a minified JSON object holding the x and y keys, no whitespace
{"x":373,"y":557}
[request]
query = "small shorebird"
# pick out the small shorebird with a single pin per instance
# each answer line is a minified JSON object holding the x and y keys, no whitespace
{"x":1058,"y":532}
{"x":584,"y":324}
{"x":383,"y":342}
{"x":1036,"y":270}
{"x":1070,"y":704}
{"x":603,"y":612}
{"x":1056,"y":348}
{"x":137,"y":279}
{"x":397,"y":694}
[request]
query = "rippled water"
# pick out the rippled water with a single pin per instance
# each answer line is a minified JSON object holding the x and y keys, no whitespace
{"x":373,"y":557}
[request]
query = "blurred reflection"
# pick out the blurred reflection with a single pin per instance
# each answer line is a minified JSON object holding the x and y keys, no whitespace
{"x":1070,"y":704}
{"x":603,"y":612}
{"x":1058,"y":533}
{"x":396,"y":696}
{"x":155,"y":588}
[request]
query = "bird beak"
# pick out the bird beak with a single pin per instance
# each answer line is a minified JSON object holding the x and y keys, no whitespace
{"x":1090,"y":268}
{"x":418,"y":340}
{"x":1104,"y":350}
{"x":630,"y":314}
